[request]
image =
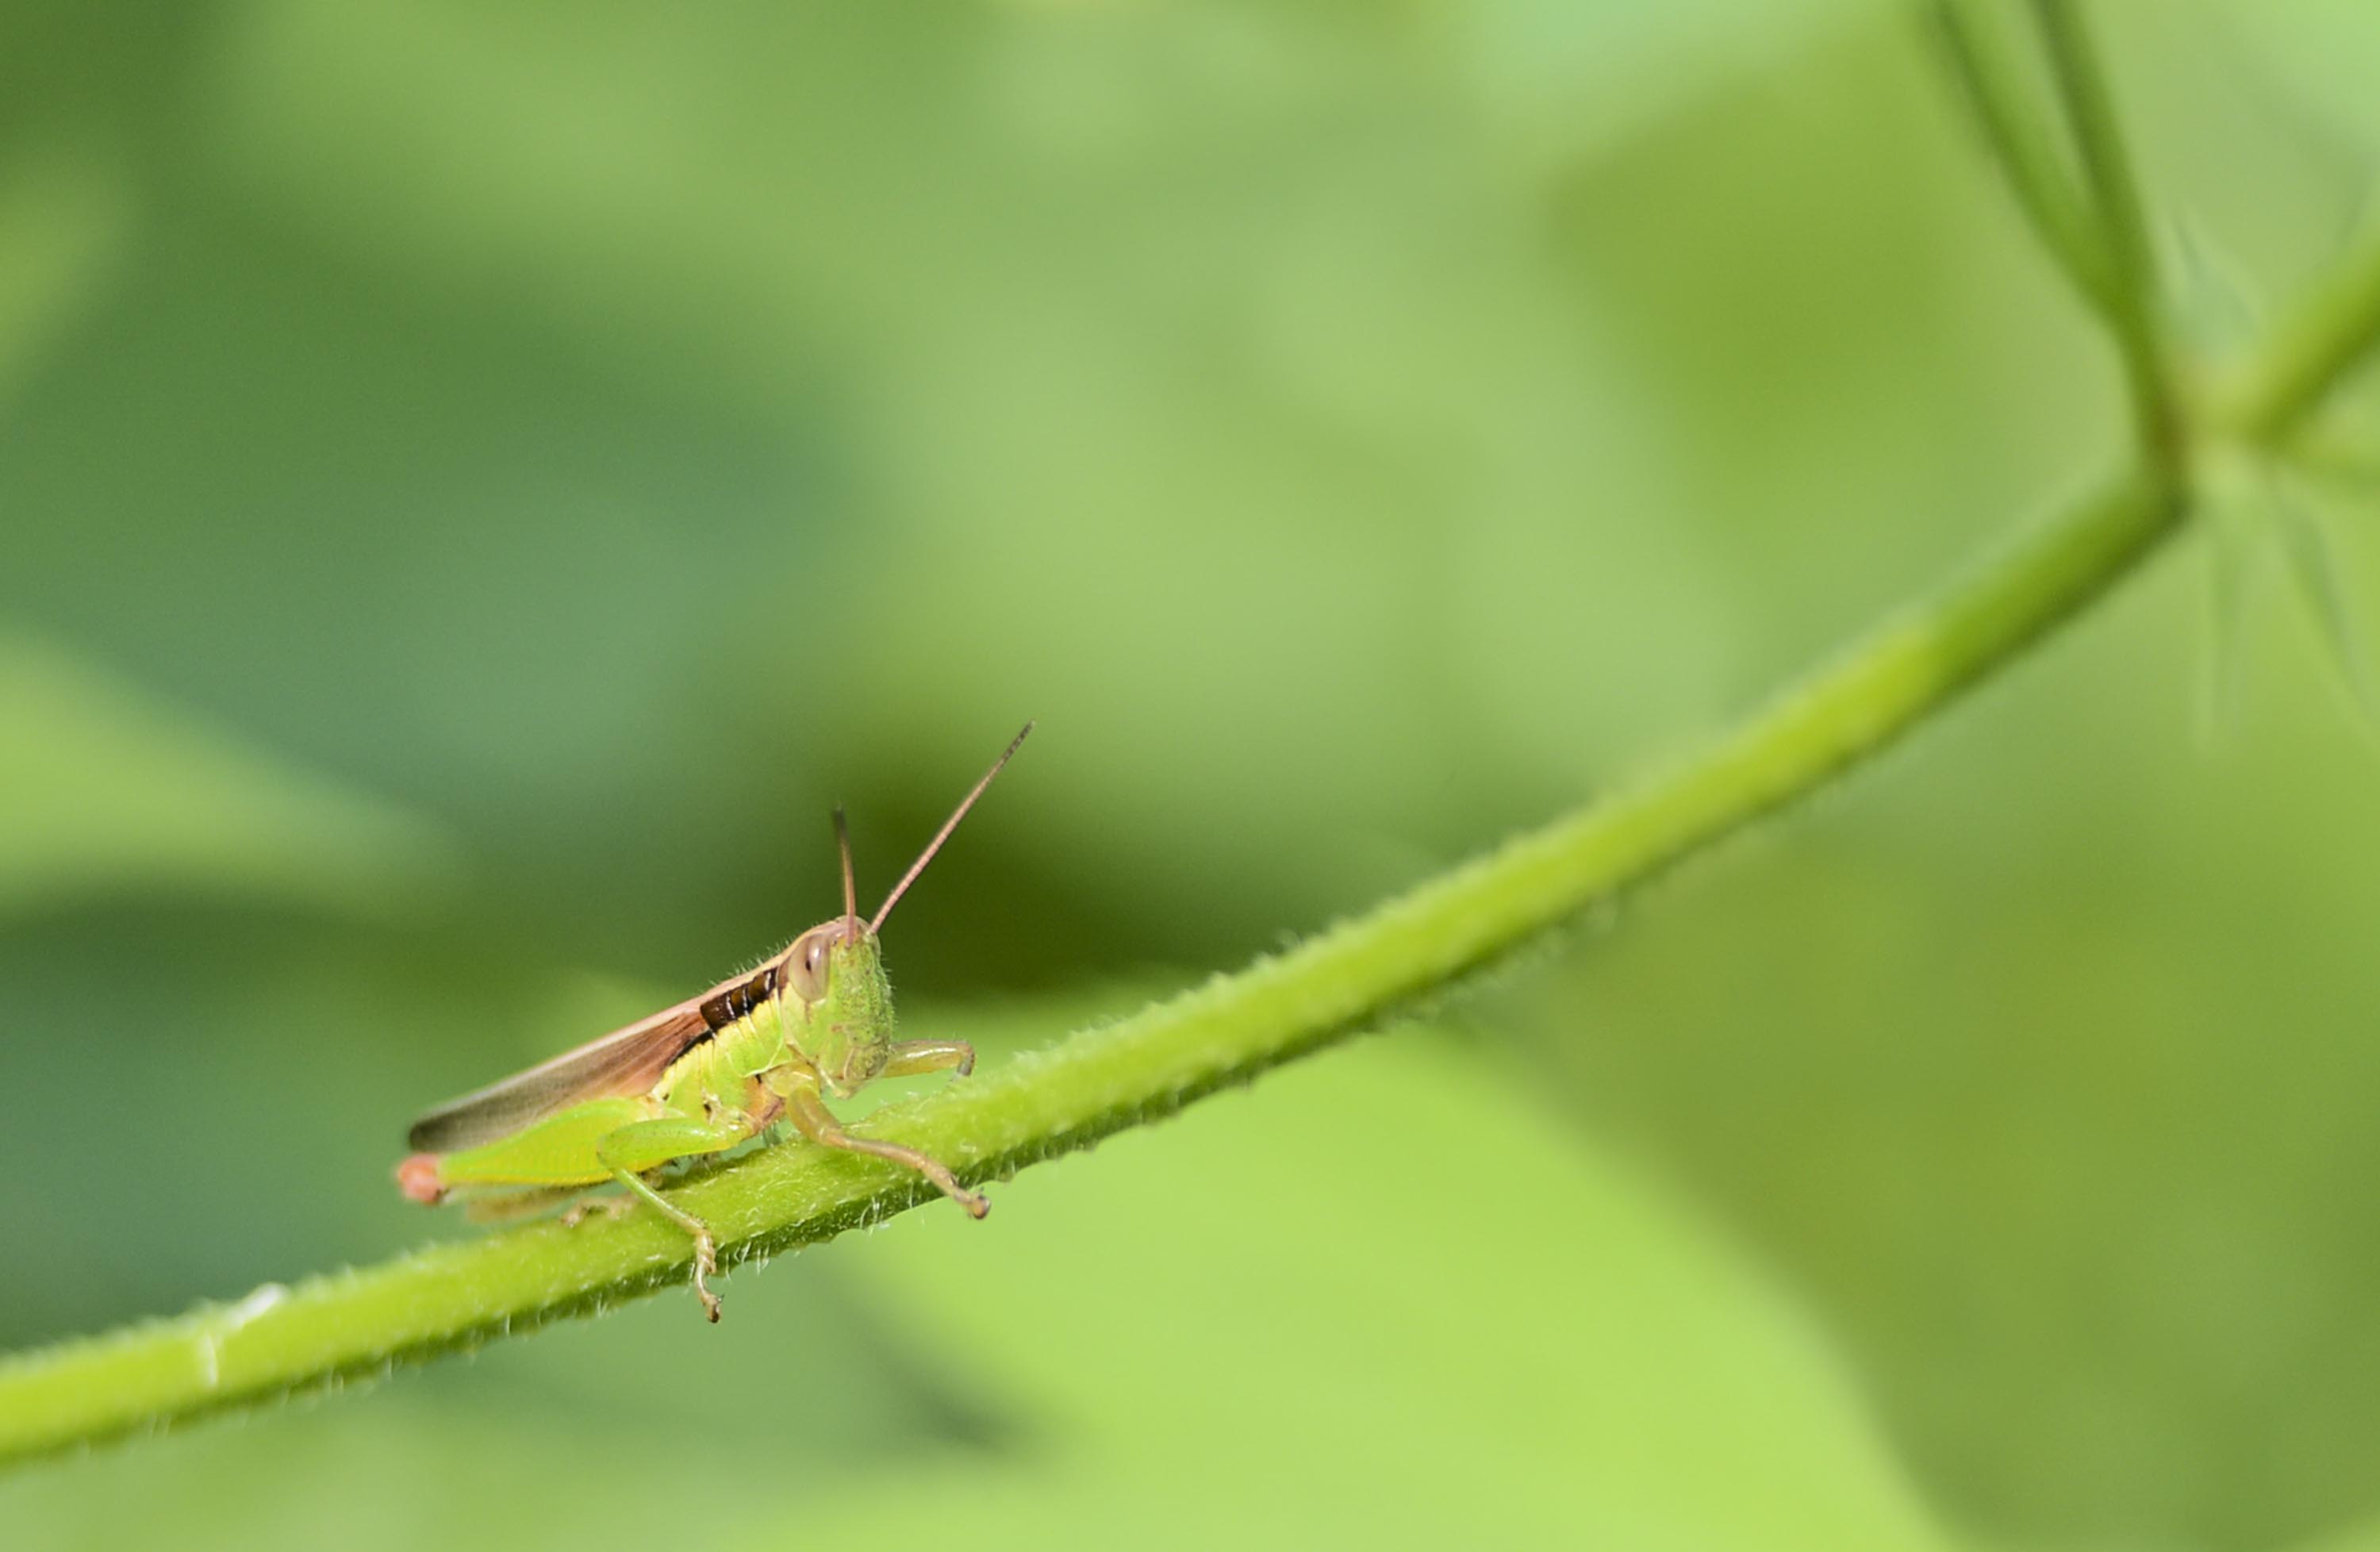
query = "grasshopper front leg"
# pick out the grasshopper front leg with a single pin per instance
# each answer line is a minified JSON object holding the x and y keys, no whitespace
{"x":810,"y":1117}
{"x":912,"y":1056}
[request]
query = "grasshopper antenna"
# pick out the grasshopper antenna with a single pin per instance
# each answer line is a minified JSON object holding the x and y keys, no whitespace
{"x":945,"y":833}
{"x":850,"y":889}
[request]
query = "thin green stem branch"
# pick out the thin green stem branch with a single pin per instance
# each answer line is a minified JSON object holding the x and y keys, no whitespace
{"x":2123,"y":223}
{"x":2328,"y":337}
{"x":2024,"y":146}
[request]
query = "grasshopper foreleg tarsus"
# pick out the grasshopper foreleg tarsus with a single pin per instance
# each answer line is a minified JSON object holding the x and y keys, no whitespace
{"x":912,"y":1056}
{"x":813,"y":1119}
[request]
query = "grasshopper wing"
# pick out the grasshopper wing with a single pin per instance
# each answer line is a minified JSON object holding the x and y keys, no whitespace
{"x":627,"y":1060}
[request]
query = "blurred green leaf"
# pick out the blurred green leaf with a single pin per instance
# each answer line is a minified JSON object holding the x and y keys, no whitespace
{"x":63,"y":219}
{"x":105,"y":792}
{"x":2361,"y":1537}
{"x":1380,"y":1296}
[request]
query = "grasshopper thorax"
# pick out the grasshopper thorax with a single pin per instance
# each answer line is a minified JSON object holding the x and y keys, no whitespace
{"x":841,"y":1004}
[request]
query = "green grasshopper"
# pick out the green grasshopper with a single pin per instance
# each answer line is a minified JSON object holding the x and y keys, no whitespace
{"x":700,"y":1078}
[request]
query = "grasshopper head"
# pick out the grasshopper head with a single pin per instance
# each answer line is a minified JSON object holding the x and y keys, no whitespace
{"x":845,"y":1024}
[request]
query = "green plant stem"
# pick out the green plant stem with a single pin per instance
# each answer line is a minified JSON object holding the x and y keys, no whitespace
{"x":2027,"y":154}
{"x":2322,"y":341}
{"x":2132,"y":290}
{"x":455,"y":1296}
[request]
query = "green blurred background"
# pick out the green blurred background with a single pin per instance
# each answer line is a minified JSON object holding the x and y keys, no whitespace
{"x":478,"y":483}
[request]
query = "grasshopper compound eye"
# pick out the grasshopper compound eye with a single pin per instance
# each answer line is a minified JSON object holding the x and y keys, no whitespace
{"x":805,"y":967}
